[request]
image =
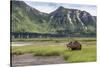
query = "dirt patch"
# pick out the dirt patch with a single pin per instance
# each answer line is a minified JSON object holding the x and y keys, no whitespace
{"x":29,"y":59}
{"x":36,"y":43}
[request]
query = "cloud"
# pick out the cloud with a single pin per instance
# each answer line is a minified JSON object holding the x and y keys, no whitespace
{"x":48,"y":7}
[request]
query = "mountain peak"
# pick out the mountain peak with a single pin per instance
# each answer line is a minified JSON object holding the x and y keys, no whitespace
{"x":61,"y":7}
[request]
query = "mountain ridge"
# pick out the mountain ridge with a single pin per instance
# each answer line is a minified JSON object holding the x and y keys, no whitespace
{"x":60,"y":21}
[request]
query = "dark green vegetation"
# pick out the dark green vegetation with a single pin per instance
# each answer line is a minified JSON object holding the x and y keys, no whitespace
{"x":61,"y":21}
{"x":56,"y":47}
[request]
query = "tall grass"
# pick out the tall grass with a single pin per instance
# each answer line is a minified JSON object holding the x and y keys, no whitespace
{"x":36,"y":50}
{"x":88,"y":52}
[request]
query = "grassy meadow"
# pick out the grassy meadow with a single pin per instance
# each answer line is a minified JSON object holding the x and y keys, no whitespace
{"x":56,"y":47}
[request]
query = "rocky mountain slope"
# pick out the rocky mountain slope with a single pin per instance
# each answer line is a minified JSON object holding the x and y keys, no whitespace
{"x":61,"y":21}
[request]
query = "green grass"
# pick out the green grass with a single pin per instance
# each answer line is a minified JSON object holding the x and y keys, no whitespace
{"x":39,"y":50}
{"x":54,"y":39}
{"x":87,"y":54}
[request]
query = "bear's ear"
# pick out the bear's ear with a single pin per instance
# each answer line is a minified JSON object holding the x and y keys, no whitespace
{"x":71,"y":42}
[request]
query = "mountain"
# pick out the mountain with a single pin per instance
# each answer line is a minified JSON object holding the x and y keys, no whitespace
{"x":72,"y":20}
{"x":25,"y":18}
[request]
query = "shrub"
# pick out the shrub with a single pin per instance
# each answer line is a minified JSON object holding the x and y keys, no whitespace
{"x":17,"y":53}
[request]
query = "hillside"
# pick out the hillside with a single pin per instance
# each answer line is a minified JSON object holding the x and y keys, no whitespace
{"x":61,"y":21}
{"x":27,"y":19}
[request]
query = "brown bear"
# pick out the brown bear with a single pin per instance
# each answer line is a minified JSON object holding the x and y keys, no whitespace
{"x":74,"y":45}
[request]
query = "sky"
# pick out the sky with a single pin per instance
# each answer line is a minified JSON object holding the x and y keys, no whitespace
{"x":48,"y":7}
